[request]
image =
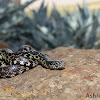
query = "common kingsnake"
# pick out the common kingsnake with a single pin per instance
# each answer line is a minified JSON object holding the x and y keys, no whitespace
{"x":14,"y":63}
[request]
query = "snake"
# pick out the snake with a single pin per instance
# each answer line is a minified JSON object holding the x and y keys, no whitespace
{"x":26,"y":58}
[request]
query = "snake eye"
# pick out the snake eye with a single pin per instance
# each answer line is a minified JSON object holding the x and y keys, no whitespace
{"x":50,"y":63}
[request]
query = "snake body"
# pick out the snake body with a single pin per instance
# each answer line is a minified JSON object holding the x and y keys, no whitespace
{"x":15,"y":63}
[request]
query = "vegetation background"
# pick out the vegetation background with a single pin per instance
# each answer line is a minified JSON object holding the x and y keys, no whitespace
{"x":47,"y":24}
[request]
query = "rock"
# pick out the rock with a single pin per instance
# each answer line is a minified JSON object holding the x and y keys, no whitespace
{"x":4,"y":45}
{"x":78,"y":81}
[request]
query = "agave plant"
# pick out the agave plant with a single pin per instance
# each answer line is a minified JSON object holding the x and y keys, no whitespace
{"x":77,"y":30}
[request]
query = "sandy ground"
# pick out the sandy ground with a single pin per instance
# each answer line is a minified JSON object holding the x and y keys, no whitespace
{"x":37,"y":3}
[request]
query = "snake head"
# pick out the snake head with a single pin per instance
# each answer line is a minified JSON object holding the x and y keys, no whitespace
{"x":55,"y":64}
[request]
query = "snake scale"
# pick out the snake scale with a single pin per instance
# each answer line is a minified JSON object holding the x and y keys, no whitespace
{"x":15,"y":63}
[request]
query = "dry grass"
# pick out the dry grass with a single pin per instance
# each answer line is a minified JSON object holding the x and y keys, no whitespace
{"x":93,"y":6}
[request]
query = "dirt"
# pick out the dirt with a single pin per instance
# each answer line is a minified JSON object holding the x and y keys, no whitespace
{"x":4,"y":45}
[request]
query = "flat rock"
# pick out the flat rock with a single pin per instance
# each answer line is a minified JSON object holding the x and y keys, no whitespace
{"x":78,"y":81}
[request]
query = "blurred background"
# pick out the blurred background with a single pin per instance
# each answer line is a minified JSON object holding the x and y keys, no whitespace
{"x":47,"y":24}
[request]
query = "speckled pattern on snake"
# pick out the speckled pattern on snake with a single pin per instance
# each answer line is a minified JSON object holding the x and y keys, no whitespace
{"x":15,"y":63}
